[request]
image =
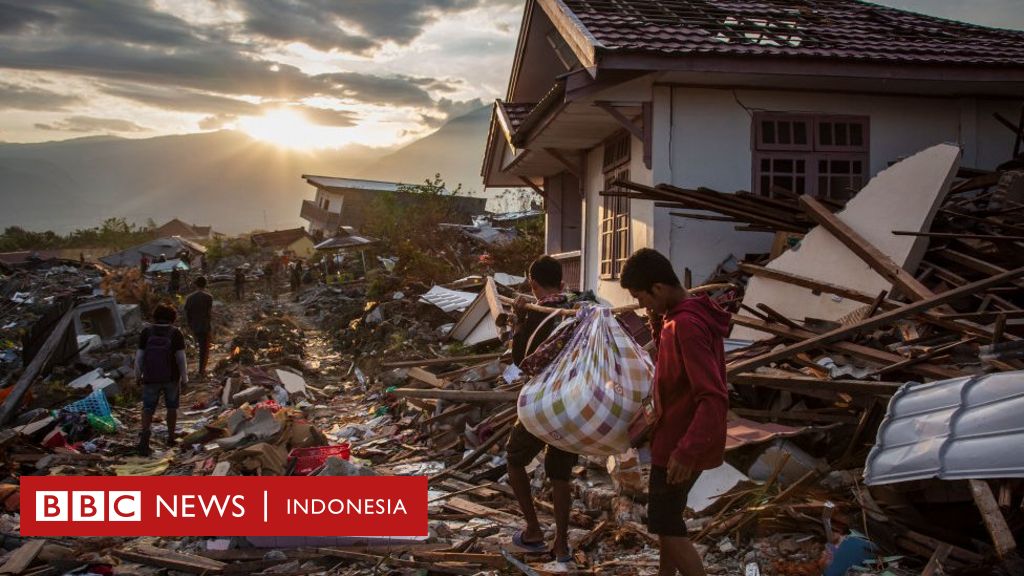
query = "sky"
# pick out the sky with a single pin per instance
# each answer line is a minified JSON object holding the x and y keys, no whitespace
{"x":299,"y":73}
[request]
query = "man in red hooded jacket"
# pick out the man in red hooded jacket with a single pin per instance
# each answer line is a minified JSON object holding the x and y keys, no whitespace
{"x":689,"y":374}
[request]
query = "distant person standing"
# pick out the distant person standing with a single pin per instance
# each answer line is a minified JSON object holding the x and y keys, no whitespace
{"x":202,"y":262}
{"x":160,"y":367}
{"x":296,"y":277}
{"x":199,"y":316}
{"x":174,"y":285}
{"x":239,"y":283}
{"x":268,"y":277}
{"x":144,"y":264}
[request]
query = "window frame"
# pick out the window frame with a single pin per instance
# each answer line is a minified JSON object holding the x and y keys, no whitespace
{"x":615,"y":228}
{"x":811,"y":153}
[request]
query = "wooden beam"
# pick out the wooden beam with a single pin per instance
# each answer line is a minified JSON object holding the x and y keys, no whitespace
{"x":459,"y":395}
{"x":23,"y":557}
{"x":875,"y":321}
{"x":986,"y":237}
{"x":535,"y":188}
{"x":805,"y":282}
{"x":872,"y":256}
{"x":35,"y":367}
{"x":813,"y":384}
{"x":993,"y":518}
{"x":421,"y":375}
{"x":934,"y":565}
{"x":619,"y":117}
{"x":436,"y":361}
{"x":153,"y":556}
{"x":572,"y":167}
{"x":868,"y":353}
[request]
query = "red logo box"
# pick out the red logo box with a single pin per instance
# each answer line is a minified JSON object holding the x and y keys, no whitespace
{"x":223,"y":506}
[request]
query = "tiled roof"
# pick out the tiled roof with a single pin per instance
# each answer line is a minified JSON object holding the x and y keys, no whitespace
{"x":279,"y":237}
{"x":517,"y":112}
{"x":834,"y":29}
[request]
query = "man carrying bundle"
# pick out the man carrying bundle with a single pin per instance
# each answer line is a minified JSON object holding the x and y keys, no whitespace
{"x":545,"y":279}
{"x":690,"y":396}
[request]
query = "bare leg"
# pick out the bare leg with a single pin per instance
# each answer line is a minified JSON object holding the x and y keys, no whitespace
{"x":520,"y":483}
{"x":679,"y":552}
{"x":561,"y":493}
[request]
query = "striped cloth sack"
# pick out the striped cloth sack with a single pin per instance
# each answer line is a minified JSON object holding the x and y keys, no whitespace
{"x":584,"y":401}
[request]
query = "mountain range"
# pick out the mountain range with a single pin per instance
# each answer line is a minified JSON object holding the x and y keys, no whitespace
{"x":225,"y":179}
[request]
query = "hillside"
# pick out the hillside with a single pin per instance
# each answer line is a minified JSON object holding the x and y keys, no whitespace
{"x":225,"y":178}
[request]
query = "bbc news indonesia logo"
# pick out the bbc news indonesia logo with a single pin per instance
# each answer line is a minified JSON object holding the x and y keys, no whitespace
{"x":236,"y":506}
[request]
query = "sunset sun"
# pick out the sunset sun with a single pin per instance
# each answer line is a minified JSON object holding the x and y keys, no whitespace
{"x":289,"y":129}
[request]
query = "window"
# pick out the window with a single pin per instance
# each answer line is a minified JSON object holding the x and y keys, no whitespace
{"x":615,"y":219}
{"x":824,"y":156}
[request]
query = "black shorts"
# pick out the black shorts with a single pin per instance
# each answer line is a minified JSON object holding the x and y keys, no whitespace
{"x":523,"y":447}
{"x":666,"y":502}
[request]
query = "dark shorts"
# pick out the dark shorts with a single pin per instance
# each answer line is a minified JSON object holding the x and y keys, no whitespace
{"x":523,"y":447}
{"x":151,"y":396}
{"x":666,"y":502}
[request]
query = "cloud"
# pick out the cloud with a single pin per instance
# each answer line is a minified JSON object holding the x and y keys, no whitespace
{"x":217,"y":121}
{"x":329,"y":117}
{"x":92,"y":124}
{"x":398,"y":90}
{"x":356,"y":27}
{"x":181,"y":100}
{"x":19,"y":18}
{"x":14,"y":96}
{"x":111,"y":20}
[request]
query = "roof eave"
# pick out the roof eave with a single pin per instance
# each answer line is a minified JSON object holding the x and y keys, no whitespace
{"x":824,"y":67}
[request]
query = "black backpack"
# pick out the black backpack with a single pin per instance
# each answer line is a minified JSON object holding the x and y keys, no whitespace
{"x":158,"y":355}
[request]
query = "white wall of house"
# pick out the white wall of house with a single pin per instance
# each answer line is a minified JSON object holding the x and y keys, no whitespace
{"x":641,"y":227}
{"x":703,"y":138}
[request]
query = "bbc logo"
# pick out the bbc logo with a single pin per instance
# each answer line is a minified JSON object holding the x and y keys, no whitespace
{"x":88,"y":506}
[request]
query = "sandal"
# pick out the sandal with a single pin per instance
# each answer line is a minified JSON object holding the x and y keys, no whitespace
{"x":532,"y":547}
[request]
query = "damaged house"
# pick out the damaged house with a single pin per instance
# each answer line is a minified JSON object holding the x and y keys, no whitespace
{"x":344,"y":201}
{"x":771,"y":97}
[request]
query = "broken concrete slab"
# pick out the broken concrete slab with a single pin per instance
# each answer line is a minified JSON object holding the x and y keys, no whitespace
{"x":293,"y":383}
{"x":101,"y":317}
{"x":905,"y":196}
{"x":479,"y":323}
{"x":249,"y":395}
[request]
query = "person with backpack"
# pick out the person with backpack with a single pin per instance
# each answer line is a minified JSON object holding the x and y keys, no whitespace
{"x":160,"y":367}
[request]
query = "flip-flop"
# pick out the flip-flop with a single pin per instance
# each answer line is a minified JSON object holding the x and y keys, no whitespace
{"x":564,"y":559}
{"x":533,"y":547}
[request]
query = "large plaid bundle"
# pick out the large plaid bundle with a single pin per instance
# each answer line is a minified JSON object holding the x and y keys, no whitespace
{"x":584,"y":401}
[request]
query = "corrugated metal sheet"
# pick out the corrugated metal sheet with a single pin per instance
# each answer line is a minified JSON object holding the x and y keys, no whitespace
{"x":448,"y":300}
{"x":962,"y":428}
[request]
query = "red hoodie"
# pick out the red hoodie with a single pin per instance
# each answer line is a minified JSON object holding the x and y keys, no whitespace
{"x":690,"y":376}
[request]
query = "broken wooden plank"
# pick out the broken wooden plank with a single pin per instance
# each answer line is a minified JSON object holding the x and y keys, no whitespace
{"x":933,"y":567}
{"x":992,"y":516}
{"x":438,"y":361}
{"x":481,"y":559}
{"x":458,"y":395}
{"x":798,"y":384}
{"x":377,"y":559}
{"x":23,"y":557}
{"x":422,"y":375}
{"x":871,"y":255}
{"x":34,"y":367}
{"x":868,"y":353}
{"x":153,"y":556}
{"x":480,"y":511}
{"x":874,"y":321}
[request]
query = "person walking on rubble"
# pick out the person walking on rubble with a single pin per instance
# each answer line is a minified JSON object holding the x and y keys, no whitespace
{"x":199,"y":316}
{"x":239,"y":283}
{"x":160,"y":367}
{"x":545,"y":280}
{"x":690,"y":398}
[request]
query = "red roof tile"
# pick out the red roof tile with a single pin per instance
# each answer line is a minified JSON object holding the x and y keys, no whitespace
{"x":835,"y":29}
